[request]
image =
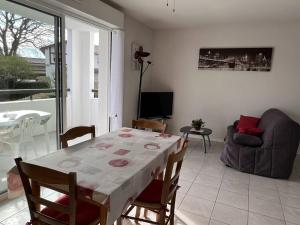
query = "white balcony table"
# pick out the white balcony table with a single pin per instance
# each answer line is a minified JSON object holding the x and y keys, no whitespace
{"x":10,"y":118}
{"x":113,"y":169}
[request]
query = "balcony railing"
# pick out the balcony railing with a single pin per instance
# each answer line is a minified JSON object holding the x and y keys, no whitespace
{"x":31,"y":92}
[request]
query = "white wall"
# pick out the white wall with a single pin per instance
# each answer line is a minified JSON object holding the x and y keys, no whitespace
{"x":138,"y":33}
{"x":219,"y":97}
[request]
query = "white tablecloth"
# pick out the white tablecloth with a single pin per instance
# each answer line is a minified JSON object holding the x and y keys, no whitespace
{"x":115,"y":168}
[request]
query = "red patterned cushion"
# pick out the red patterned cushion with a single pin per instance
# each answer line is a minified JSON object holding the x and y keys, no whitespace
{"x":247,"y":122}
{"x":152,"y":193}
{"x":86,"y":212}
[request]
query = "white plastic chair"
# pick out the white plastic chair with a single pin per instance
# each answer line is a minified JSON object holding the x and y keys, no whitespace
{"x":22,"y":131}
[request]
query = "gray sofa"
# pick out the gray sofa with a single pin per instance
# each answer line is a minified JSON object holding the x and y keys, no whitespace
{"x":275,"y":157}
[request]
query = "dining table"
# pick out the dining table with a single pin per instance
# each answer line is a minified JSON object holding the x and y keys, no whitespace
{"x":114,"y":168}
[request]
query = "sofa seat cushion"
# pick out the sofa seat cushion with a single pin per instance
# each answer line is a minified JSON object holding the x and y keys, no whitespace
{"x":246,"y":139}
{"x":252,"y":131}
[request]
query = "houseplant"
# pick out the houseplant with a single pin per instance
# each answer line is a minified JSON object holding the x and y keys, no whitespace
{"x":197,"y":124}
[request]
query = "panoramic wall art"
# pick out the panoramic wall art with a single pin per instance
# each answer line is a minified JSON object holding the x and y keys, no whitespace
{"x":236,"y":59}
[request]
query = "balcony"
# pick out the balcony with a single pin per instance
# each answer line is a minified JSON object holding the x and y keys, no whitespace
{"x":41,"y":144}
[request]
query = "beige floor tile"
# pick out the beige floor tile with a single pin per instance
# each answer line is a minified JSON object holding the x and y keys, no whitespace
{"x":20,"y":218}
{"x":229,"y":215}
{"x":203,"y":191}
{"x":233,"y":199}
{"x":257,"y":219}
{"x":292,"y":215}
{"x":264,"y":194}
{"x":11,"y":207}
{"x":290,"y":200}
{"x":184,"y":186}
{"x":289,"y":187}
{"x":233,"y":186}
{"x":215,"y":222}
{"x":191,"y":218}
{"x":187,"y":175}
{"x":262,"y":182}
{"x":179,"y":199}
{"x":207,"y":179}
{"x":267,"y":208}
{"x":197,"y":206}
{"x":236,"y":176}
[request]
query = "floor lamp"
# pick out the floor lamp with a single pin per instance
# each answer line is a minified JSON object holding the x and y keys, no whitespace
{"x":139,"y":55}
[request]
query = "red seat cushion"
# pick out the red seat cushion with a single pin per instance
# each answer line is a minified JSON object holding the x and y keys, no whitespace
{"x":86,"y":212}
{"x":152,"y":193}
{"x":247,"y":122}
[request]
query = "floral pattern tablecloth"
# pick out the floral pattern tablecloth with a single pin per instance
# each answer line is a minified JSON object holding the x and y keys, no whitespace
{"x":115,"y":168}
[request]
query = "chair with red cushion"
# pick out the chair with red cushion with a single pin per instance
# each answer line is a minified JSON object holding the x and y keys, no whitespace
{"x":160,"y":195}
{"x":67,"y":210}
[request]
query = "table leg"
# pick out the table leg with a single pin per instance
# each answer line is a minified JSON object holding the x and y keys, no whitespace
{"x":47,"y":137}
{"x":209,"y":140}
{"x":204,"y":142}
{"x":103,"y":215}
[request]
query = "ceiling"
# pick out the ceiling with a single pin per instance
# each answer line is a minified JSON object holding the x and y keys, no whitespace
{"x":191,"y":13}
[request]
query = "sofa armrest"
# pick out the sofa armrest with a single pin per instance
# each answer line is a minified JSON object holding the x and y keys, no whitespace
{"x":235,"y":123}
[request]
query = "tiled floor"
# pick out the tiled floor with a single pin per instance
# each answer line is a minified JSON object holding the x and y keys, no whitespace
{"x":212,"y":194}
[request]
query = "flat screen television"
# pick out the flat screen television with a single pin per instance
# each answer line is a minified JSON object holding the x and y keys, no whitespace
{"x":156,"y":104}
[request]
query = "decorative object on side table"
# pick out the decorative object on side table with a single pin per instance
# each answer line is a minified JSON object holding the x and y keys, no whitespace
{"x":197,"y":124}
{"x":203,"y":132}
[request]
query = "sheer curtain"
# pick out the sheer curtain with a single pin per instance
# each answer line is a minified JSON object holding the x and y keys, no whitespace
{"x":117,"y":79}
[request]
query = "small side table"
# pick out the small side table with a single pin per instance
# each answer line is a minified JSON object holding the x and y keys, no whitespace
{"x":203,"y":132}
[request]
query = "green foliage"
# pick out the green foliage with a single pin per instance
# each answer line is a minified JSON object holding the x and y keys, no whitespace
{"x":14,"y":67}
{"x":197,"y":124}
{"x":32,"y":85}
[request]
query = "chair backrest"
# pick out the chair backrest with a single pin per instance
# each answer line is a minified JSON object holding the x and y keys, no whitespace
{"x":26,"y":125}
{"x":76,"y":132}
{"x":154,"y":125}
{"x":52,"y":179}
{"x":172,"y":173}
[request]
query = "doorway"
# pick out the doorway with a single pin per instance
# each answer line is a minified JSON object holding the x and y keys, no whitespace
{"x":88,"y":66}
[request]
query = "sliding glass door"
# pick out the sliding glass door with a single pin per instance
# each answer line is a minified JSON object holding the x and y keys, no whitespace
{"x":54,"y":75}
{"x":30,"y":85}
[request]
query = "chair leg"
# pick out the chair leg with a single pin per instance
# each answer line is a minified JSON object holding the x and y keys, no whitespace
{"x":172,"y":210}
{"x":119,"y":221}
{"x":137,"y":213}
{"x":162,"y":219}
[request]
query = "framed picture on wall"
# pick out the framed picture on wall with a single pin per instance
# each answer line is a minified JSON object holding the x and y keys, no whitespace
{"x":236,"y":59}
{"x":134,"y":63}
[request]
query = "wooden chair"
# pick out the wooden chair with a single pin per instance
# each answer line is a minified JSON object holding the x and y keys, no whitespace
{"x":76,"y":132}
{"x":154,"y":125}
{"x":161,"y":193}
{"x":67,"y":210}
